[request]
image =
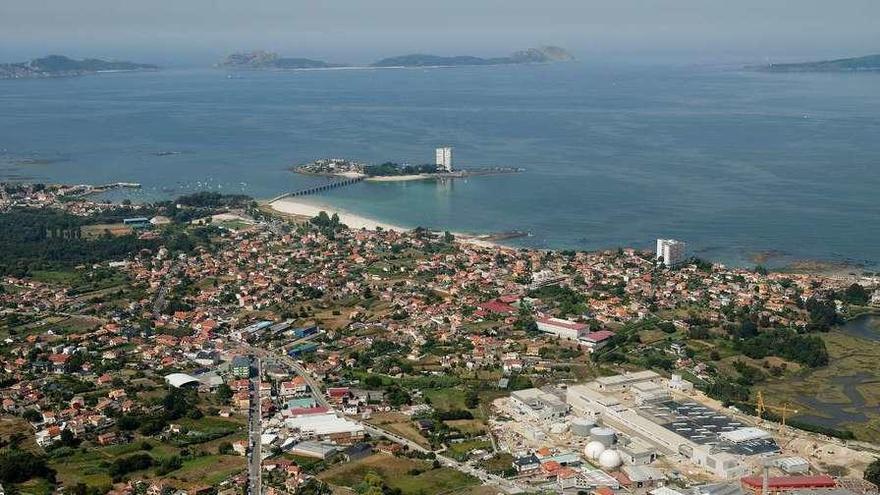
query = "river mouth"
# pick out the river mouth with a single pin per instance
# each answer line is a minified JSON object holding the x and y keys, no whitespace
{"x":837,"y":414}
{"x":865,"y":327}
{"x":838,"y":401}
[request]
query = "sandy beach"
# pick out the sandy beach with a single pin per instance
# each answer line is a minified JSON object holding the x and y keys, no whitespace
{"x":308,"y":209}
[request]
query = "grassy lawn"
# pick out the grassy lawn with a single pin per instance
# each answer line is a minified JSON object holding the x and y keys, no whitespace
{"x":400,"y":424}
{"x":468,"y":426}
{"x":498,"y":463}
{"x":447,"y":399}
{"x":460,"y":450}
{"x":395,"y":472}
{"x":55,"y":277}
{"x":36,"y":486}
{"x":10,"y":425}
{"x":209,"y":469}
{"x":84,"y":467}
{"x":99,"y":230}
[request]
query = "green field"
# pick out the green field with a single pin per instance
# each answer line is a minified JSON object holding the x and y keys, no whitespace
{"x":90,"y":464}
{"x":460,"y":450}
{"x":209,"y":469}
{"x":448,"y":399}
{"x":396,"y":474}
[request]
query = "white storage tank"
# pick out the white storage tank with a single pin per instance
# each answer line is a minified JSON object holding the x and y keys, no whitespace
{"x":610,"y":459}
{"x":605,"y":435}
{"x":581,"y":427}
{"x":593,"y":450}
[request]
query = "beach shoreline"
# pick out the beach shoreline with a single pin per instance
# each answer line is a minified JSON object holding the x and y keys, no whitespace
{"x":304,"y":210}
{"x":308,"y":209}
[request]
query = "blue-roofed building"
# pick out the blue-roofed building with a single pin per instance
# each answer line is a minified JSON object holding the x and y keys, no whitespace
{"x":305,"y":331}
{"x":302,"y":349}
{"x":137,"y":222}
{"x":301,"y":403}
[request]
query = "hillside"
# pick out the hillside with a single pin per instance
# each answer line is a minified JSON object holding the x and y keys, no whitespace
{"x":61,"y":66}
{"x":867,"y":63}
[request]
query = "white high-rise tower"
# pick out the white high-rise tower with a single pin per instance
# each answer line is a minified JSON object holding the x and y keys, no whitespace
{"x":444,"y":158}
{"x":670,"y":251}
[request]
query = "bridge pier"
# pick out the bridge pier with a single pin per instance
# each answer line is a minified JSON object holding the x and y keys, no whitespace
{"x":317,"y":189}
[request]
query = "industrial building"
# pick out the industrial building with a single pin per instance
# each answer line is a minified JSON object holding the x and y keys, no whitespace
{"x":651,"y":417}
{"x":565,"y":329}
{"x":777,"y":485}
{"x":326,"y":426}
{"x":585,"y":479}
{"x":539,"y":405}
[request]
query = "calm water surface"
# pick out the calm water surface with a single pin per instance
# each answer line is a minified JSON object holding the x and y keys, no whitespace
{"x":734,"y":162}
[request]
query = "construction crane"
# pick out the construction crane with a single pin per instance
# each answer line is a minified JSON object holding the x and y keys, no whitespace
{"x":761,"y":407}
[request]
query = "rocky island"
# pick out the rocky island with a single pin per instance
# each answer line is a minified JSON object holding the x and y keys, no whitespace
{"x":61,"y":66}
{"x":853,"y":64}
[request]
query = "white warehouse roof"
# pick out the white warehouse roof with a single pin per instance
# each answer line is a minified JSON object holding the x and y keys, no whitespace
{"x":178,"y":380}
{"x":744,"y":434}
{"x":322,"y":424}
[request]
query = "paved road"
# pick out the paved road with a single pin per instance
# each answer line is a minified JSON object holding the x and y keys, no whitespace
{"x":255,"y":430}
{"x":507,"y":486}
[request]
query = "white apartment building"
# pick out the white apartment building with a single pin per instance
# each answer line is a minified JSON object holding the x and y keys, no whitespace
{"x":670,"y":251}
{"x":565,"y":329}
{"x":444,"y":158}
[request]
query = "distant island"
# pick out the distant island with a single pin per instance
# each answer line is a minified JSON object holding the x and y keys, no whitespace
{"x":269,"y":60}
{"x":61,"y":66}
{"x":391,"y":171}
{"x":539,"y":55}
{"x":867,"y":63}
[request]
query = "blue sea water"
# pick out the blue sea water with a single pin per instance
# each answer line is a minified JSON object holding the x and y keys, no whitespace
{"x":732,"y":161}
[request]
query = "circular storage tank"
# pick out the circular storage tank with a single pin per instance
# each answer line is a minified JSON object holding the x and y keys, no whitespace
{"x":593,"y":450}
{"x":605,"y":435}
{"x":581,"y":427}
{"x":610,"y":459}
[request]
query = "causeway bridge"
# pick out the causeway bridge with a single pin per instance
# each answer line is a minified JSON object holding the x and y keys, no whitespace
{"x":317,"y":189}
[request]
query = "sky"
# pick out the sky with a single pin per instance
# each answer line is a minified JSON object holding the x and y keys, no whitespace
{"x":200,"y":31}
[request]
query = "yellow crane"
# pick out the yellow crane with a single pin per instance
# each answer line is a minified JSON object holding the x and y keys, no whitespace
{"x":785,"y":408}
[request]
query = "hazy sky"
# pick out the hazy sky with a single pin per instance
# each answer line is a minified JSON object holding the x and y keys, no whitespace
{"x":360,"y":30}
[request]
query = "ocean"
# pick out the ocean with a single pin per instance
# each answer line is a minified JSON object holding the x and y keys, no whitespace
{"x":741,"y":165}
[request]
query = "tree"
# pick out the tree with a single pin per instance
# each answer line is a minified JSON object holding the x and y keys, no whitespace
{"x":224,"y":393}
{"x":17,"y":466}
{"x":872,"y":472}
{"x":855,"y":294}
